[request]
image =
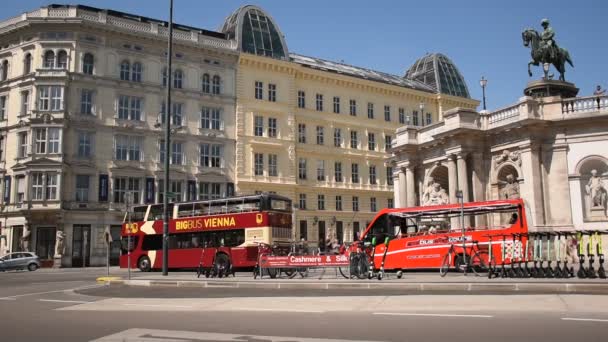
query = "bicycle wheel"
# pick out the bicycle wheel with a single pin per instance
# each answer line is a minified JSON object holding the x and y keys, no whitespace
{"x":290,"y":272}
{"x":345,"y":272}
{"x":445,"y":264}
{"x":479,"y":262}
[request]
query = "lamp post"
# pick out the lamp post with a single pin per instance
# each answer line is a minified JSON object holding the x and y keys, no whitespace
{"x":167,"y":146}
{"x":460,"y":198}
{"x":421,"y":105}
{"x":483,"y":83}
{"x":128,"y":208}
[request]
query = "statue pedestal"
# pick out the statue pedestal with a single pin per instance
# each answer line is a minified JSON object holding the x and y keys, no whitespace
{"x":597,"y":212}
{"x":57,"y":261}
{"x":546,"y":88}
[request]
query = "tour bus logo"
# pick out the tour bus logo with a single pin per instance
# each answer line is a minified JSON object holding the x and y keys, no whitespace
{"x":259,"y":218}
{"x":131,"y":228}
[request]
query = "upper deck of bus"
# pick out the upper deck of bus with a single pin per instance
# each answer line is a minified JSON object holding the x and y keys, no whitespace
{"x":228,"y":205}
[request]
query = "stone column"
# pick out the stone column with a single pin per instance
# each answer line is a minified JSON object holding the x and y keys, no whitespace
{"x":453,"y":178}
{"x":478,"y":182}
{"x":402,"y":189}
{"x":559,"y":212}
{"x":411,"y":193}
{"x":532,"y":188}
{"x":463,"y":180}
{"x":396,"y":190}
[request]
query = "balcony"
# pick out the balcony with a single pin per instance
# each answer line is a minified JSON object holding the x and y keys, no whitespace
{"x":54,"y":73}
{"x":92,"y":206}
{"x":586,"y":104}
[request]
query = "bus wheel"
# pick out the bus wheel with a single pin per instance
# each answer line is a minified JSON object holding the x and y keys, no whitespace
{"x":222,"y":265}
{"x":144,"y":264}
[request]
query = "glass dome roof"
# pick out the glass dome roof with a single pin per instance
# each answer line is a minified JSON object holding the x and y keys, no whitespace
{"x":439,"y":72}
{"x":255,"y":32}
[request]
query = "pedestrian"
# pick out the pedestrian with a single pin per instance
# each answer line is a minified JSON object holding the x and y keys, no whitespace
{"x":599,"y":91}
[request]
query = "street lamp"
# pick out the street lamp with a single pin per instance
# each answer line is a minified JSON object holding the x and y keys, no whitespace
{"x":483,"y":83}
{"x":460,"y":197}
{"x":421,"y":105}
{"x":546,"y":67}
{"x":167,"y":146}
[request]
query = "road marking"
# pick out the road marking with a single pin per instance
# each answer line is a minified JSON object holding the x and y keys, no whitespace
{"x":55,"y":291}
{"x":584,"y":319}
{"x":160,"y":305}
{"x":64,"y":301}
{"x":279,"y":310}
{"x":428,"y":315}
{"x":7,"y":298}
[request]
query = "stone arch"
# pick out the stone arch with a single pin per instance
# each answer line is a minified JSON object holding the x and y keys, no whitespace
{"x":436,"y":174}
{"x":502,"y":180}
{"x":592,"y":172}
{"x":585,"y":165}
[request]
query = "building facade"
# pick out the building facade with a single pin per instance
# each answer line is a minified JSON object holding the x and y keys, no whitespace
{"x":548,"y":150}
{"x":81,"y":109}
{"x":318,"y":131}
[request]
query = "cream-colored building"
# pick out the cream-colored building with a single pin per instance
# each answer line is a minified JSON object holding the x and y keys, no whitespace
{"x":318,"y":131}
{"x":81,"y":90}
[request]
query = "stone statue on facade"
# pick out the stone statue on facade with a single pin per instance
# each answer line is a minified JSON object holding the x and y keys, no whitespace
{"x":506,"y":156}
{"x":596,"y":191}
{"x":24,"y":241}
{"x":59,"y":244}
{"x":545,"y":49}
{"x":510,"y":189}
{"x":434,"y":195}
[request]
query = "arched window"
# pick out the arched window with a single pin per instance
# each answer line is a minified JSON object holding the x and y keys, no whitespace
{"x":206,"y":84}
{"x":4,"y":75}
{"x":27,"y":64}
{"x":136,"y":75}
{"x":62,"y":60}
{"x":125,"y":70}
{"x":49,"y":60}
{"x":178,"y":76}
{"x":88,"y":62}
{"x":216,"y":85}
{"x":164,"y":75}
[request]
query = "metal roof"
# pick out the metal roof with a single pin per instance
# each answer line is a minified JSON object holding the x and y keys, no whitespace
{"x":439,"y":72}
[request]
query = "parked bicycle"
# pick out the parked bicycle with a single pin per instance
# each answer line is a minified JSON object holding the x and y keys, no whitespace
{"x":472,"y":259}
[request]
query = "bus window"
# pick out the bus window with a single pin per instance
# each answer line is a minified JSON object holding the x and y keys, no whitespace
{"x":156,"y":212}
{"x":380,"y":229}
{"x":124,"y":242}
{"x":152,"y":242}
{"x":276,"y":204}
{"x":138,"y":213}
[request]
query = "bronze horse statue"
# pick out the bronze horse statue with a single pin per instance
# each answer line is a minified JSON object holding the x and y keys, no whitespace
{"x":540,"y":56}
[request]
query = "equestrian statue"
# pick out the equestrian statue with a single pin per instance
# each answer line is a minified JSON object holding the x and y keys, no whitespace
{"x":545,"y":50}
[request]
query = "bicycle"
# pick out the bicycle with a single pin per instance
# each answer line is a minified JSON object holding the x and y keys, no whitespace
{"x":263,"y":249}
{"x":476,"y":259}
{"x":296,"y":249}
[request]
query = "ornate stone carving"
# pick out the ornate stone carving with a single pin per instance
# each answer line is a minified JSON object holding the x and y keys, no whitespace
{"x":59,"y":244}
{"x":507,"y":156}
{"x":434,"y":194}
{"x":510,"y":188}
{"x":25,"y":239}
{"x":291,"y":152}
{"x":596,"y":192}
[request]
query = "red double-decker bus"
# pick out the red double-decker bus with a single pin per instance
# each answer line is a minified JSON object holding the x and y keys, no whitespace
{"x":226,"y":230}
{"x":420,"y":237}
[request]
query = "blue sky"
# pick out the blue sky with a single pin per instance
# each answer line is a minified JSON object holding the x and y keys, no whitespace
{"x":481,"y":37}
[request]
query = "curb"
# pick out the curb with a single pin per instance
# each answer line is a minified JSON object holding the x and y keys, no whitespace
{"x":402,"y":288}
{"x":107,"y":279}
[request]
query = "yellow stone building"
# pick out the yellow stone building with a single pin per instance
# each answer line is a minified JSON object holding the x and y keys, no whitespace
{"x":320,"y":132}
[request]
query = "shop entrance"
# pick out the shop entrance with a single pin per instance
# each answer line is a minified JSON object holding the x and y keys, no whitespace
{"x":81,"y":245}
{"x":45,"y":242}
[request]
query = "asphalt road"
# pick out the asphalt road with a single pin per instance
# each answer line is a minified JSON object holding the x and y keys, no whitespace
{"x":69,"y":306}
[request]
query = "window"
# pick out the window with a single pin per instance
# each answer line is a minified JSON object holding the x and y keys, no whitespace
{"x":371,"y":141}
{"x":136,"y":72}
{"x":302,"y":201}
{"x":56,"y":98}
{"x":37,"y":186}
{"x":272,"y":92}
{"x":320,"y":137}
{"x":127,"y":147}
{"x":210,"y":155}
{"x":389,"y":175}
{"x":354,"y":141}
{"x":2,"y":147}
{"x":50,"y":98}
{"x":272,"y":127}
{"x":20,"y":188}
{"x":22,"y":152}
{"x":47,"y":137}
{"x":338,"y":172}
{"x":370,"y":110}
{"x":216,"y":85}
{"x":27,"y":64}
{"x":388,"y":140}
{"x":4,"y":70}
{"x":415,"y":118}
{"x":353,"y":107}
{"x":85,"y":142}
{"x":88,"y":62}
{"x":211,"y":118}
{"x":301,"y":99}
{"x":164,"y":76}
{"x":129,"y":107}
{"x":355,"y":173}
{"x":302,"y":133}
{"x":258,"y":168}
{"x":320,"y":102}
{"x":178,"y":78}
{"x":337,"y":137}
{"x":82,"y":188}
{"x":273,"y":165}
{"x":258,"y":128}
{"x":390,"y":203}
{"x":54,"y":140}
{"x":302,"y":168}
{"x":177,"y":152}
{"x":176,"y":113}
{"x":3,"y":107}
{"x":51,"y":186}
{"x":355,"y":203}
{"x":387,"y":113}
{"x":206,"y":85}
{"x":125,"y":70}
{"x":124,"y":185}
{"x":372,"y":175}
{"x":40,"y":140}
{"x":49,"y":60}
{"x":25,"y":102}
{"x":402,"y":116}
{"x":176,"y":187}
{"x":303,"y":229}
{"x":321,"y":202}
{"x":336,"y":105}
{"x":429,"y":118}
{"x":259,"y":89}
{"x":338,"y":203}
{"x":86,"y":102}
{"x":207,"y":191}
{"x":62,"y":60}
{"x":320,"y":170}
{"x":373,"y":205}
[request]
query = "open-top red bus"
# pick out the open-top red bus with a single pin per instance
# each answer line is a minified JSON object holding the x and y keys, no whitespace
{"x":226,"y":231}
{"x":420,"y":237}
